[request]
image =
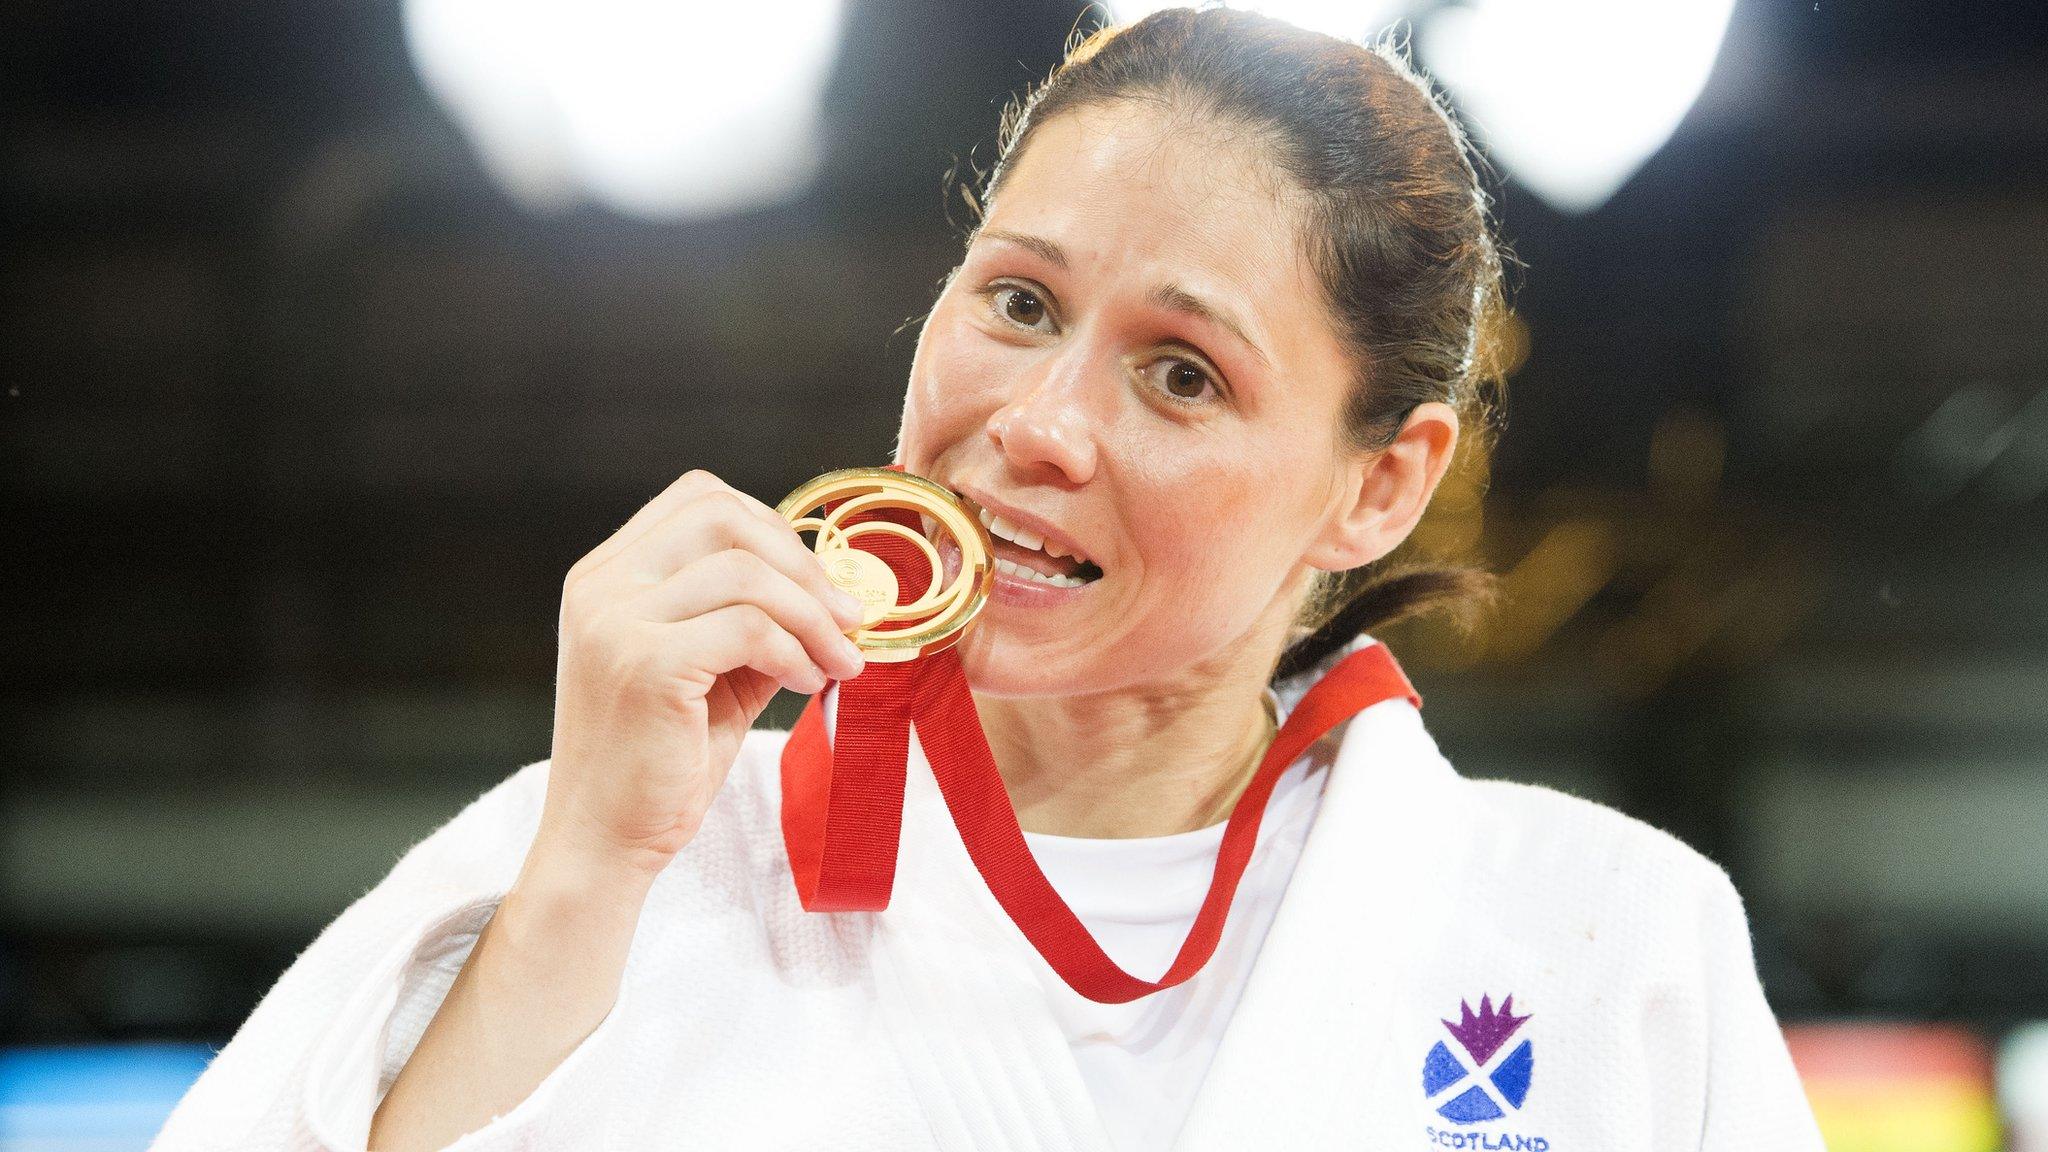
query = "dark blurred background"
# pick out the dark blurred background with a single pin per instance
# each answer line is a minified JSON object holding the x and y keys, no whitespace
{"x":311,"y":399}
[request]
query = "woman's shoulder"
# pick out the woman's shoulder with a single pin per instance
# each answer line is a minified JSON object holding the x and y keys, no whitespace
{"x":1631,"y":951}
{"x":1544,"y":818}
{"x":1587,"y":864}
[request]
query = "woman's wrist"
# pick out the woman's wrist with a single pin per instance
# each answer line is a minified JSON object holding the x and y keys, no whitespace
{"x":560,"y":880}
{"x":566,"y":925}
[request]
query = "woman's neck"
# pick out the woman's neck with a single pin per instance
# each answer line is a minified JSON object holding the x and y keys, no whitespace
{"x":1149,"y":760}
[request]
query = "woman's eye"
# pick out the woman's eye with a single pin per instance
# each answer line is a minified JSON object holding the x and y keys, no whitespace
{"x":1183,"y":380}
{"x":1020,"y":306}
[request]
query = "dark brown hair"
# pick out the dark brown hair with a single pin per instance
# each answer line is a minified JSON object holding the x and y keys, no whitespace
{"x":1396,"y":226}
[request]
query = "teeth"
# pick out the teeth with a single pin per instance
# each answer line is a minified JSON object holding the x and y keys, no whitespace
{"x":1022,"y":573}
{"x":1014,"y":534}
{"x":1023,"y":538}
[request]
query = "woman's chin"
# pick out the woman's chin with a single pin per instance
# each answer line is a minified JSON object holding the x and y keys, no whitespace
{"x":997,"y":668}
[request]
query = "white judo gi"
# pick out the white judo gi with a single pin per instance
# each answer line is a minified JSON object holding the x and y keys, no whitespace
{"x":1376,"y":1016}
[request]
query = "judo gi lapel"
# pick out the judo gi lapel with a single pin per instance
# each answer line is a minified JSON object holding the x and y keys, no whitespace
{"x":962,"y":1006}
{"x":1375,"y":884}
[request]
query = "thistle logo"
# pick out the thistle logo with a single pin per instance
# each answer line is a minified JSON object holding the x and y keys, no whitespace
{"x":1490,"y":1087}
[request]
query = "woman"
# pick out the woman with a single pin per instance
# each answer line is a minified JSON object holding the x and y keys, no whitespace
{"x":1210,"y":347}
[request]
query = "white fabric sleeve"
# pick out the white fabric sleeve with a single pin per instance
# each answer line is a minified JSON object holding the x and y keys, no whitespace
{"x":1754,"y":1100}
{"x":308,"y":1068}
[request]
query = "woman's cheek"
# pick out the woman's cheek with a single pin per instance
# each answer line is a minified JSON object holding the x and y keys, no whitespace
{"x":1218,"y":565}
{"x":1186,"y":570}
{"x":940,"y":413}
{"x":959,"y":376}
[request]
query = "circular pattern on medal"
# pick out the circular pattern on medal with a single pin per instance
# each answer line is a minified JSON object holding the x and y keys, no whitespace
{"x":841,"y":507}
{"x":864,"y":576}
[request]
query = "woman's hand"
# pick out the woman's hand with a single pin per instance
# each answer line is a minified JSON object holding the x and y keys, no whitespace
{"x":674,"y":634}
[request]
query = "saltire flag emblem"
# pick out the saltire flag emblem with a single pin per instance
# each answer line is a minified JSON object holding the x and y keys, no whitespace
{"x":1490,"y":1087}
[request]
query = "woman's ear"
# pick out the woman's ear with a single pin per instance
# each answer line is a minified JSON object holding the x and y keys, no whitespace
{"x":1384,"y":494}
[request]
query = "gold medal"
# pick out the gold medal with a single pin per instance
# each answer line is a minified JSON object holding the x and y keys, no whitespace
{"x":869,"y":579}
{"x":864,"y":576}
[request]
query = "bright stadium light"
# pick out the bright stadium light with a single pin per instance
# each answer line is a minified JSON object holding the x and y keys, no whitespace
{"x":1573,"y":96}
{"x":650,"y":107}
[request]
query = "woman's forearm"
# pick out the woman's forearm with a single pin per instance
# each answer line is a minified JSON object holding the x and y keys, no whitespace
{"x":543,"y":974}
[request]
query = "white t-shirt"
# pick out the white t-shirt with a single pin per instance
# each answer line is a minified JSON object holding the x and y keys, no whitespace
{"x":1143,"y":1061}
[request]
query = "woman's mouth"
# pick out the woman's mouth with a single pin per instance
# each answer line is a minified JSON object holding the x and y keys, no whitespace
{"x":1027,"y":556}
{"x":1027,"y":577}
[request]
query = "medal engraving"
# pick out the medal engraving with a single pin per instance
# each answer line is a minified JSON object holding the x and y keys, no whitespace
{"x":831,"y":507}
{"x":865,"y":577}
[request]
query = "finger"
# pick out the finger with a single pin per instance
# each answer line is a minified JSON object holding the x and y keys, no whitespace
{"x":746,"y":636}
{"x":759,"y":506}
{"x":721,"y":520}
{"x":739,"y":576}
{"x":752,"y":690}
{"x":679,"y":490}
{"x":682,"y":490}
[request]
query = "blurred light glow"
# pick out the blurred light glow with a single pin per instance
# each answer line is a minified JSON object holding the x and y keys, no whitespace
{"x":1573,"y":96}
{"x":94,"y":1096}
{"x":1879,"y":1086}
{"x":1353,"y":20}
{"x":649,"y":107}
{"x":2023,"y":1087}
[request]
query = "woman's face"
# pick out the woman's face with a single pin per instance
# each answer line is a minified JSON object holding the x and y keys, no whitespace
{"x":1135,"y":355}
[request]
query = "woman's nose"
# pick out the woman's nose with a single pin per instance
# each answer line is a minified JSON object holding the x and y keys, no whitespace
{"x":1044,"y":423}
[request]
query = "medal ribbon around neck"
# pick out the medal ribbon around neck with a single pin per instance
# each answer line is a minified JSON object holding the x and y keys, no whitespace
{"x":842,"y":801}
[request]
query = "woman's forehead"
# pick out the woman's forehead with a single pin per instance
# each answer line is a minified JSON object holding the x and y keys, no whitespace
{"x":1190,"y":187}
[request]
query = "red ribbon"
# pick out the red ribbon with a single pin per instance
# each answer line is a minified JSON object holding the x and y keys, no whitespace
{"x":842,"y":806}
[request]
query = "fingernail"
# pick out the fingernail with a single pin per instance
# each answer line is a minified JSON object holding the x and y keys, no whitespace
{"x":856,"y":660}
{"x":845,"y":604}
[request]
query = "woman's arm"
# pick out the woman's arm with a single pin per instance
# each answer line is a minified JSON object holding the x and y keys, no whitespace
{"x":674,"y":635}
{"x":542,"y":976}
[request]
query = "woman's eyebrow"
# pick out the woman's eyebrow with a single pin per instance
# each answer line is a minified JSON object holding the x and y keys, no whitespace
{"x":1174,"y":298}
{"x":1044,"y":249}
{"x":1171,"y":297}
